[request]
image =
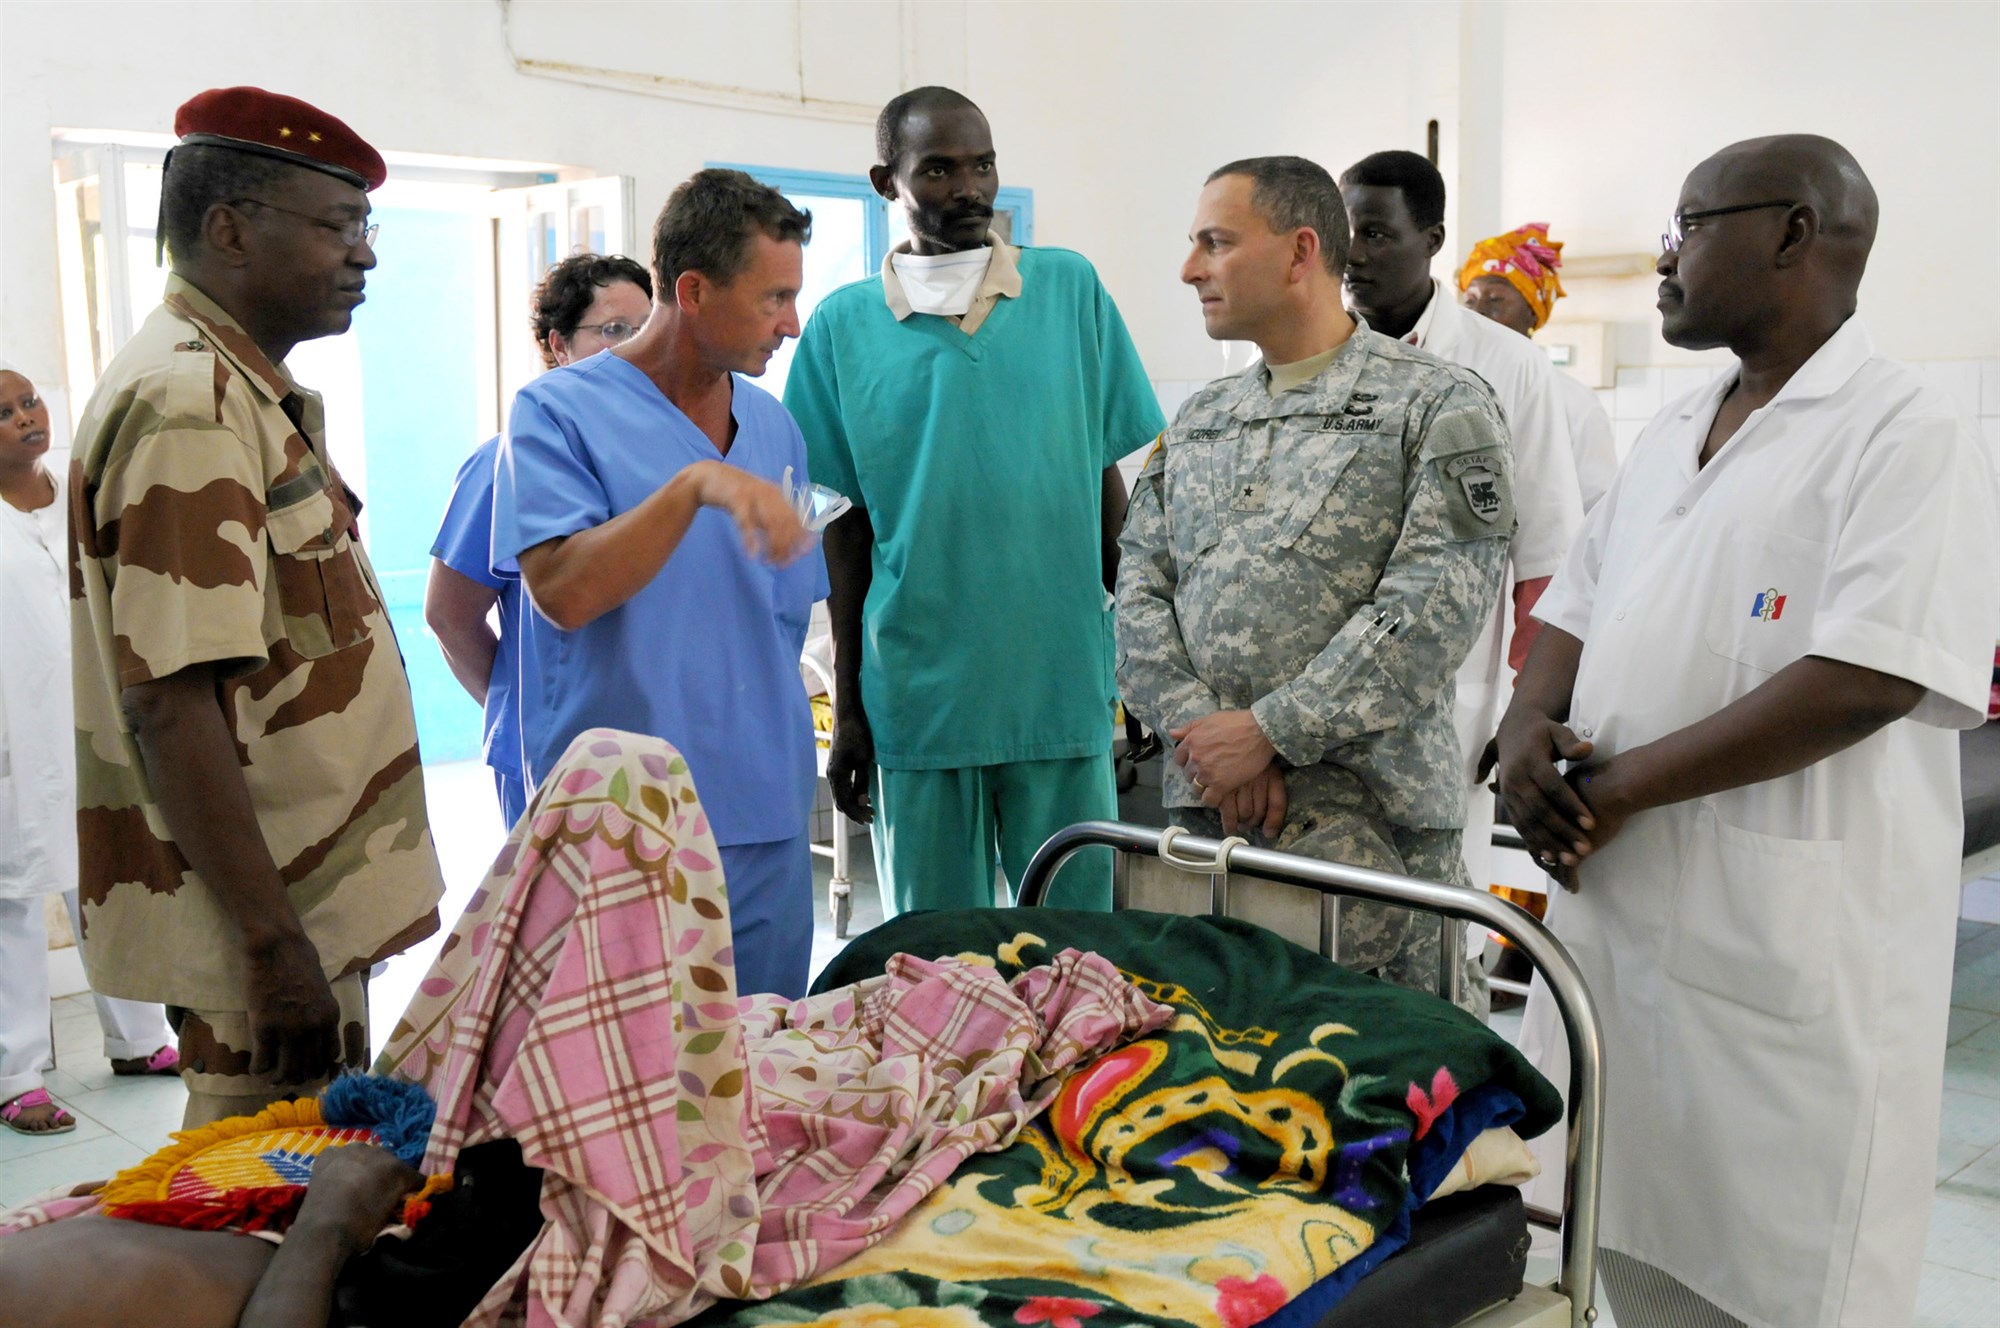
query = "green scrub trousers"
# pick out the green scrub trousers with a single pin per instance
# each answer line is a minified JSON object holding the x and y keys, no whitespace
{"x":938,"y":833}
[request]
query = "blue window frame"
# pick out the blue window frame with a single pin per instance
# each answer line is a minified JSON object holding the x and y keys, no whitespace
{"x":1020,"y":203}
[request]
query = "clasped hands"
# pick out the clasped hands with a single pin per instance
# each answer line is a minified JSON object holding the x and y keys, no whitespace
{"x":1234,"y":768}
{"x":1563,"y":817}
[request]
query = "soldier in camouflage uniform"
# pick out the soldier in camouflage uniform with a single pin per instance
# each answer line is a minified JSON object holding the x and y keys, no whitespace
{"x":250,"y":802}
{"x":1311,"y":551}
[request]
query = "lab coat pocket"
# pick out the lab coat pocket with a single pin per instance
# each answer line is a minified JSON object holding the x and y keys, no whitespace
{"x":1761,"y":602}
{"x":320,"y":588}
{"x":1753,"y":918}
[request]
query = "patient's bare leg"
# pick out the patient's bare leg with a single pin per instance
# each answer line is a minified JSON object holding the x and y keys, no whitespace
{"x":89,"y":1271}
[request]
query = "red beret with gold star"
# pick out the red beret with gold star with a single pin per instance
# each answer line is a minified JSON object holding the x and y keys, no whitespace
{"x":272,"y":125}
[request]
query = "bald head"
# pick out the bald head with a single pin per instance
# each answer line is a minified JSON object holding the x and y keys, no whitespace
{"x":1776,"y":233}
{"x":1815,"y":172}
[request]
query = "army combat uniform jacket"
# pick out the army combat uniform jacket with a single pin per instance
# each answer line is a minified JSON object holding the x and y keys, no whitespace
{"x":1324,"y":559}
{"x":207,"y":526}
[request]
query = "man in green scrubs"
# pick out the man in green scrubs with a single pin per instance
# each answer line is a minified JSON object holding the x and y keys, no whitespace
{"x":972,"y":401}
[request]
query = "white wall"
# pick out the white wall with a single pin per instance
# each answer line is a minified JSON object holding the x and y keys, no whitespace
{"x":1586,"y":115}
{"x":1115,"y":113}
{"x":1608,"y":106}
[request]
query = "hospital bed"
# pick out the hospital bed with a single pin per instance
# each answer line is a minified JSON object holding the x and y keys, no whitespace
{"x":1465,"y":1261}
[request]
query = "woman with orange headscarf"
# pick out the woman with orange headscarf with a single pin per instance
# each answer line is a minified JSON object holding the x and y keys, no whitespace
{"x":1512,"y":280}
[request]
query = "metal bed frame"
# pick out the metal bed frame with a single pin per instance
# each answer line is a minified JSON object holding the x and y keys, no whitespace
{"x":840,"y":889}
{"x":1576,"y":1277}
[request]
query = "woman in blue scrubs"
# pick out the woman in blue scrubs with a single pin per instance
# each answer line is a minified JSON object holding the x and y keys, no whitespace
{"x":587,"y":303}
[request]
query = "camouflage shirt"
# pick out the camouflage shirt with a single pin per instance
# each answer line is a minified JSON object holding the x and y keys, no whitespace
{"x":1324,"y":559}
{"x":207,"y":525}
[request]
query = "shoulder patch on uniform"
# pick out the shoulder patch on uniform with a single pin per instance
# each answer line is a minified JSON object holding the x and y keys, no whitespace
{"x":1477,"y":495}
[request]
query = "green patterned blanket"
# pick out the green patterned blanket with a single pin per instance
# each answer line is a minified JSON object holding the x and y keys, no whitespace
{"x":1207,"y":1174}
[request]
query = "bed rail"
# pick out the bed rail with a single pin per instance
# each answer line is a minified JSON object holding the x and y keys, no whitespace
{"x":1219,"y":859}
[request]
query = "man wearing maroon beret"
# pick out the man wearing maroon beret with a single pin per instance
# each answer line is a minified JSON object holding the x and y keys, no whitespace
{"x":250,"y":805}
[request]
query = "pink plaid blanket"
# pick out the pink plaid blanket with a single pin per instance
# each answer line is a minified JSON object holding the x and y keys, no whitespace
{"x":697,"y":1147}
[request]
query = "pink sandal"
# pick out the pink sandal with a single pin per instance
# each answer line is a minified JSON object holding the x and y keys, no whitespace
{"x":10,"y":1114}
{"x":166,"y":1060}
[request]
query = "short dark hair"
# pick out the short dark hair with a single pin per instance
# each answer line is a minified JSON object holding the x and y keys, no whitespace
{"x":890,"y":123}
{"x":1411,"y":173}
{"x":705,"y":226}
{"x":571,"y":287}
{"x":1290,"y":192}
{"x":200,"y":175}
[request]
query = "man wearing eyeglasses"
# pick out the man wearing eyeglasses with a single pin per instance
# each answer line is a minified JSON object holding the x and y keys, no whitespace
{"x":586,"y":303}
{"x":250,"y":801}
{"x":1751,"y":665}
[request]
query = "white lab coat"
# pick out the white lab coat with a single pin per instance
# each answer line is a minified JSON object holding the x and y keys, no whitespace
{"x":1591,"y":439}
{"x":37,"y":732}
{"x":1547,"y":503}
{"x":1773,"y":963}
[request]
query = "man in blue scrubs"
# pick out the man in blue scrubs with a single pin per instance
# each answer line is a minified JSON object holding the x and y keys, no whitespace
{"x":638,"y":495}
{"x":586,"y":303}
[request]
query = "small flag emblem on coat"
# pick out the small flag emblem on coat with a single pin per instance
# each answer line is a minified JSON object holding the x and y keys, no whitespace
{"x":1769,"y":605}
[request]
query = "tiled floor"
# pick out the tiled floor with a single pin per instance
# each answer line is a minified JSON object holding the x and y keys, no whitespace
{"x":119,"y":1121}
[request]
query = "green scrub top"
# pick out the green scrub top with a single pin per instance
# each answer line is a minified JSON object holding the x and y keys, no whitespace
{"x":979,"y":459}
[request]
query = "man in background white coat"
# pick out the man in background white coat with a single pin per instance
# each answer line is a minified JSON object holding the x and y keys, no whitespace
{"x":1395,"y":203}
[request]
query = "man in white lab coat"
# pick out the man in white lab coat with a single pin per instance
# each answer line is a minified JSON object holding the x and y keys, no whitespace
{"x":1395,"y":202}
{"x":1753,"y":662}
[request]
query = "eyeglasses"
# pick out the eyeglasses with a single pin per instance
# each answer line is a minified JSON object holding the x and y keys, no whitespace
{"x":616,"y":332}
{"x":1676,"y":232}
{"x":351,"y":233}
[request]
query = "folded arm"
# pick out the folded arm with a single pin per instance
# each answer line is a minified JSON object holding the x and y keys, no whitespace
{"x":1802,"y":714}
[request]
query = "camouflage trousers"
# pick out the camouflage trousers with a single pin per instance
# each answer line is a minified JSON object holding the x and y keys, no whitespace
{"x":1398,"y":945}
{"x":216,"y":1051}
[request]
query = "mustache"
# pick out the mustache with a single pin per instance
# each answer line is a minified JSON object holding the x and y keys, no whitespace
{"x":970,"y":212}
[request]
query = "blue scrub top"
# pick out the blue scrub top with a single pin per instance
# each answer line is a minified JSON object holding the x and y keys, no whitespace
{"x":465,"y":545}
{"x":707,"y":655}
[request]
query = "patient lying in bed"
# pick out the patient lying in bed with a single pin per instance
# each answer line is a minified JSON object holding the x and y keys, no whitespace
{"x":959,"y":1106}
{"x":687,"y":1146}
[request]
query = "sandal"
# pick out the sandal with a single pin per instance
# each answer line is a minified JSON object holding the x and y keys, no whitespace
{"x":60,"y":1121}
{"x":167,"y":1060}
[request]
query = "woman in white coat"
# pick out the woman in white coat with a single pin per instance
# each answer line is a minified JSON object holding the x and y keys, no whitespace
{"x":1754,"y":661}
{"x":38,"y":778}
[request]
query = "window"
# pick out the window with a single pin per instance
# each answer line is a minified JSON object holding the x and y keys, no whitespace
{"x":427,"y":371}
{"x":853,"y":230}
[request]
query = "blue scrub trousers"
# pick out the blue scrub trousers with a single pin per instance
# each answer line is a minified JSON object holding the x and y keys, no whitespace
{"x":771,"y":914}
{"x":513,"y":790}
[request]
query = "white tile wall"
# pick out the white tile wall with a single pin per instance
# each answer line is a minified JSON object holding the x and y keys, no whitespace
{"x":1638,"y":395}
